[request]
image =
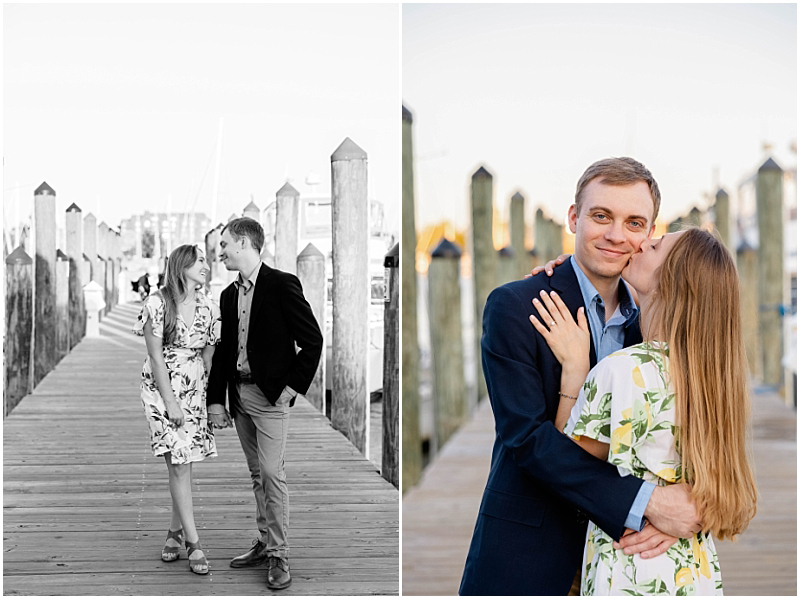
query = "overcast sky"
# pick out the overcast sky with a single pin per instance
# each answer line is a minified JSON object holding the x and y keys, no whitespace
{"x":117,"y":106}
{"x":536,"y":93}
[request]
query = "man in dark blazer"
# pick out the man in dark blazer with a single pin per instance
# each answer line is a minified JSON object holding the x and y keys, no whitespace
{"x":542,"y":487}
{"x":264,"y":316}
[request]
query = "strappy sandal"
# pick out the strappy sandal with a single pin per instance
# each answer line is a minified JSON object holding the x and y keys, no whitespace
{"x":198,"y":565}
{"x":171,"y":552}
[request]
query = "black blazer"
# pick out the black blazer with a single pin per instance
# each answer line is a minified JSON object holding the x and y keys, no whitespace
{"x":531,"y":526}
{"x":280,"y":317}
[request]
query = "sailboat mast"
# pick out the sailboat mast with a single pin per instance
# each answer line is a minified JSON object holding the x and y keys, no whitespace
{"x":216,"y":177}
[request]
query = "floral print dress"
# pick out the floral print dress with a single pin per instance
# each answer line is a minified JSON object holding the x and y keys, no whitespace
{"x":626,"y":402}
{"x":194,"y":441}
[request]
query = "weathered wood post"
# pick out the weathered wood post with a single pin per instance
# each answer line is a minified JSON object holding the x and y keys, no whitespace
{"x":17,"y":350}
{"x":116,"y":259}
{"x":769,"y":202}
{"x":286,"y":228}
{"x":484,"y":261}
{"x":44,"y":292}
{"x":675,"y":225}
{"x":506,"y":265}
{"x":138,"y":233}
{"x":103,"y":264}
{"x":211,"y":246}
{"x":267,"y":257}
{"x":62,"y":305}
{"x":747,"y":265}
{"x":90,"y":247}
{"x":449,"y":387}
{"x":557,"y":238}
{"x":540,"y":236}
{"x":722,"y":217}
{"x":311,"y":272}
{"x":252,"y":211}
{"x":533,"y":260}
{"x":412,"y":446}
{"x":695,"y":218}
{"x":350,"y":216}
{"x":77,"y":311}
{"x":390,"y":461}
{"x":516,"y":225}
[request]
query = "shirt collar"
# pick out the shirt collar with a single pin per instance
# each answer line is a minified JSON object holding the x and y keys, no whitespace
{"x":627,"y":306}
{"x":250,"y":281}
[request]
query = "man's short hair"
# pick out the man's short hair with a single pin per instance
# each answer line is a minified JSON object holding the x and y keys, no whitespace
{"x":619,"y":171}
{"x":246,"y":227}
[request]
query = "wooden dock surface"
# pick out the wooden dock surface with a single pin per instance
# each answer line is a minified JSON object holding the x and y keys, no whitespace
{"x":86,"y":505}
{"x":439,"y":513}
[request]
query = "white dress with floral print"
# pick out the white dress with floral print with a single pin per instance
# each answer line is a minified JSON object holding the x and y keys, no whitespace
{"x":194,"y":441}
{"x":627,"y":403}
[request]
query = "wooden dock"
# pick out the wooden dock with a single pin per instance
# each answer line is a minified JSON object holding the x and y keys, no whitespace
{"x":439,"y":513}
{"x":86,"y":505}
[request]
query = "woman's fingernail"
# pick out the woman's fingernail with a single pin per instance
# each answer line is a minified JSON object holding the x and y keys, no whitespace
{"x":535,"y":301}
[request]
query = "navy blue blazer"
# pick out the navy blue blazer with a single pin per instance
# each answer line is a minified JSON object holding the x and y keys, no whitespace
{"x":531,"y":527}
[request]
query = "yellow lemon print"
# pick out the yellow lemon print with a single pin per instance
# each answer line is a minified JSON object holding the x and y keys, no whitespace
{"x":637,"y":377}
{"x":701,"y":557}
{"x":627,"y":413}
{"x":621,"y":436}
{"x":684,"y":577}
{"x":668,"y":474}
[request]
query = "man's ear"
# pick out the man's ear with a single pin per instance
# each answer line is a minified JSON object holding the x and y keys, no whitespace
{"x":572,"y":218}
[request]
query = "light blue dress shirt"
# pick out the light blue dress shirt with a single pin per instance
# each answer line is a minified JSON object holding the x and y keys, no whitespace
{"x":609,"y":337}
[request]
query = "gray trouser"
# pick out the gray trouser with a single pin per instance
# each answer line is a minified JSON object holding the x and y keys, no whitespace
{"x":262,"y":430}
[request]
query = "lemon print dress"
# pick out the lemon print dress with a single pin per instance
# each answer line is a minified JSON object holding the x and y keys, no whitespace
{"x":627,"y":403}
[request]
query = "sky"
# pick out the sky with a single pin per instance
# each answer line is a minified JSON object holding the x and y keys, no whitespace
{"x":538,"y":92}
{"x":118,"y":106}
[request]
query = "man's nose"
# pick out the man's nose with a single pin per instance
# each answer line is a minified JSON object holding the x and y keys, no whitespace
{"x":615,"y":233}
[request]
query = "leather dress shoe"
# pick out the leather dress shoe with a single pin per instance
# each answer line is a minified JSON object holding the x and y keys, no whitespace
{"x":278,"y":576}
{"x":256,"y":556}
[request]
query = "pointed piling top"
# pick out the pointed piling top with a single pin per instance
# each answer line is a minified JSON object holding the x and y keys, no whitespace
{"x":539,"y":212}
{"x":721,"y":193}
{"x":287,"y":190}
{"x":517,"y":197}
{"x":90,"y":216}
{"x":482,"y":173}
{"x":533,"y":252}
{"x":310,"y":251}
{"x":407,"y":116}
{"x":446,"y":249}
{"x":18,"y":256}
{"x":232,"y":217}
{"x":770,"y":165}
{"x":507,"y":251}
{"x":392,"y":257}
{"x":73,"y":208}
{"x":252,"y":206}
{"x":61,"y":255}
{"x":744,"y":247}
{"x":44,"y":190}
{"x":348,"y":150}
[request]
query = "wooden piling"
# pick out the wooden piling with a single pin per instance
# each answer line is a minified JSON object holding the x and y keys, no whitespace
{"x":506,"y":265}
{"x":484,"y":261}
{"x":18,"y":370}
{"x":540,"y":236}
{"x":390,"y":461}
{"x":350,"y":395}
{"x":695,"y":218}
{"x":311,"y":272}
{"x":62,"y":305}
{"x":103,"y":265}
{"x":412,"y":446}
{"x":211,"y":247}
{"x":286,"y":227}
{"x":533,"y":260}
{"x":516,"y":225}
{"x":556,"y":234}
{"x":449,"y":388}
{"x":44,"y":292}
{"x":90,"y":248}
{"x":747,"y":265}
{"x":252,"y":211}
{"x":769,"y":202}
{"x":722,"y":217}
{"x":675,"y":225}
{"x":77,"y":311}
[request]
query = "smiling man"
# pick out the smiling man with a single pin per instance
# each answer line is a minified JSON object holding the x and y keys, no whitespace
{"x":542,"y":487}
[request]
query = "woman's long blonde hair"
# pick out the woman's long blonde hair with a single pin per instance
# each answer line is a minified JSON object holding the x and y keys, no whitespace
{"x":176,"y":286}
{"x":696,"y":311}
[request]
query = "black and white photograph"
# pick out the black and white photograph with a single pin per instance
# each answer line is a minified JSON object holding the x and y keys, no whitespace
{"x":201,"y":227}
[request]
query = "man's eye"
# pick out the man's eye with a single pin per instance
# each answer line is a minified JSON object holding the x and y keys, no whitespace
{"x":637,"y":224}
{"x":600,"y":216}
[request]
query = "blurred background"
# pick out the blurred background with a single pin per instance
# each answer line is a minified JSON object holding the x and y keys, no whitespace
{"x":505,"y":106}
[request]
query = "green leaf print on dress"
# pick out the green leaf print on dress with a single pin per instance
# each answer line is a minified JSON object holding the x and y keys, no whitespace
{"x":626,"y":402}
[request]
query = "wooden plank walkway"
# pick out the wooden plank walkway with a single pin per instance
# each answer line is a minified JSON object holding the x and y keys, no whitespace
{"x":439,"y":513}
{"x":86,"y":505}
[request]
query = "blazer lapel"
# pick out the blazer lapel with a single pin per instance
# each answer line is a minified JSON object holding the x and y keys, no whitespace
{"x":262,"y":282}
{"x":565,"y":282}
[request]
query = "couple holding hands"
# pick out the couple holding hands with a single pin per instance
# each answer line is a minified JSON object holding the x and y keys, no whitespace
{"x":196,"y":352}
